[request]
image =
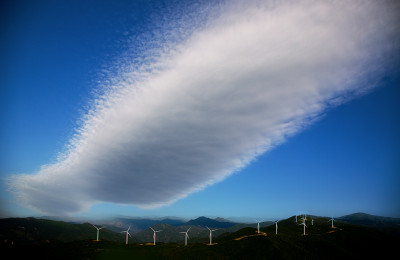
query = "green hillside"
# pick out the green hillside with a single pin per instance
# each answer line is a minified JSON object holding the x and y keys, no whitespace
{"x":32,"y":229}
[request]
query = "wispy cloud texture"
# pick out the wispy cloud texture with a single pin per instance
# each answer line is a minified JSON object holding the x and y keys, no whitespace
{"x":208,"y":106}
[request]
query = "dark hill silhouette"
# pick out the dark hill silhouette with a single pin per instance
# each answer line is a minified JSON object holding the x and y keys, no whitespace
{"x":208,"y":222}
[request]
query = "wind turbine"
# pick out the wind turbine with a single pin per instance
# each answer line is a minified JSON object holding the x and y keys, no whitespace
{"x":154,"y":235}
{"x":258,"y":225}
{"x":127,"y":233}
{"x":276,"y":227}
{"x":312,"y":222}
{"x":304,"y":224}
{"x":98,"y":230}
{"x":186,"y":236}
{"x":332,"y":221}
{"x":296,"y":218}
{"x":211,"y":230}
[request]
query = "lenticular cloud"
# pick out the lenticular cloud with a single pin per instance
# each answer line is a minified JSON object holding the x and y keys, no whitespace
{"x":209,"y":105}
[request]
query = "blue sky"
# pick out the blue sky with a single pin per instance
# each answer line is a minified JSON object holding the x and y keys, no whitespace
{"x":158,"y":108}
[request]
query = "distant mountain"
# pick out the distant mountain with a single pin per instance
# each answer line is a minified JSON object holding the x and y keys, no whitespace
{"x":139,"y":224}
{"x":364,"y":219}
{"x":223,"y":219}
{"x":211,"y":223}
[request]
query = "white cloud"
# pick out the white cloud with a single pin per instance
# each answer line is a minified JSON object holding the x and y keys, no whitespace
{"x":233,"y":90}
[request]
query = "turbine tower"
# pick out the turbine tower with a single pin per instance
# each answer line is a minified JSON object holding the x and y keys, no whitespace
{"x":276,"y":227}
{"x":186,"y":236}
{"x":312,"y":222}
{"x":154,"y":235}
{"x":304,"y":224}
{"x":332,"y":221}
{"x":211,"y":230}
{"x":98,"y":230}
{"x":127,"y":233}
{"x":296,"y":218}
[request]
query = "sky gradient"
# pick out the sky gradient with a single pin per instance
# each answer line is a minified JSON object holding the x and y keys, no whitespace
{"x":231,"y":109}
